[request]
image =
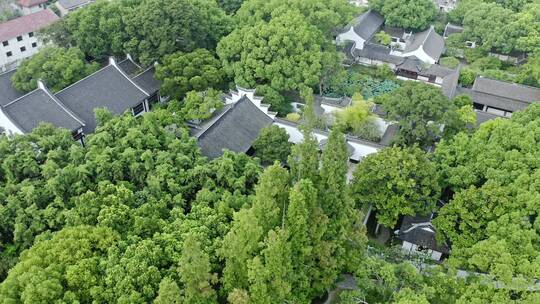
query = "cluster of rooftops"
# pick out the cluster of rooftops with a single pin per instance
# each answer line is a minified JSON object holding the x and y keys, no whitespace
{"x":117,"y":87}
{"x":415,"y":56}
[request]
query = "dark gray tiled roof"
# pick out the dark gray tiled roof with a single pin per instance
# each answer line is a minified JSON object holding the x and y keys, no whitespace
{"x":412,"y":64}
{"x":430,"y":41}
{"x":421,"y":234}
{"x":378,"y":52}
{"x":493,"y":100}
{"x":368,"y":24}
{"x":148,"y":81}
{"x":439,"y":71}
{"x":416,"y":65}
{"x":506,"y":89}
{"x":129,"y":67}
{"x":394,"y":31}
{"x":107,"y":88}
{"x":450,"y":84}
{"x":70,"y":4}
{"x":389,"y":134}
{"x":450,"y":29}
{"x":38,"y":106}
{"x":235,"y":128}
{"x":7,"y":92}
{"x":482,"y":117}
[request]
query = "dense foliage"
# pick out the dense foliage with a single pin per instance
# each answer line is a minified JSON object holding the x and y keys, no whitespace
{"x":147,"y":29}
{"x":409,"y":14}
{"x":492,"y":216}
{"x":180,"y":73}
{"x":411,"y":176}
{"x":423,"y":112}
{"x":56,"y":67}
{"x":272,"y":144}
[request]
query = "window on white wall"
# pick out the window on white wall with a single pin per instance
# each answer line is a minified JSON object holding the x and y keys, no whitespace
{"x":5,"y":43}
{"x":19,"y":38}
{"x":23,"y":49}
{"x":9,"y":54}
{"x":34,"y":44}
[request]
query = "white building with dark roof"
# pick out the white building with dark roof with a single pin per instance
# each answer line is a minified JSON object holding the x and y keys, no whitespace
{"x":419,"y":236}
{"x":362,"y":29}
{"x":117,"y":87}
{"x":18,"y":37}
{"x":236,"y":126}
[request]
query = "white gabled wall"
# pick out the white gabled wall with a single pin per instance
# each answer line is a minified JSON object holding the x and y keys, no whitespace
{"x":420,"y":54}
{"x":351,"y":35}
{"x":296,"y":136}
{"x":7,"y":124}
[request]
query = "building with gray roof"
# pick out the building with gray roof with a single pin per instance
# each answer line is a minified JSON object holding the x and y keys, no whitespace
{"x":427,"y":46}
{"x":499,"y":98}
{"x":73,"y":107}
{"x":39,"y":106}
{"x":419,"y":235}
{"x":235,"y":128}
{"x":8,"y":92}
{"x":108,"y":88}
{"x":362,"y":29}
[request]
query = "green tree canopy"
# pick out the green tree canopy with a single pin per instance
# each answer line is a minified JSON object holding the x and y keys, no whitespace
{"x":65,"y":267}
{"x":326,"y":15}
{"x":409,"y":14}
{"x":56,"y":67}
{"x":397,"y":181}
{"x":159,"y":27}
{"x":197,"y":105}
{"x":272,"y":144}
{"x":181,"y":72}
{"x":284,"y":54}
{"x":492,"y":201}
{"x":479,"y":24}
{"x":230,"y":6}
{"x":98,"y":30}
{"x":421,"y":110}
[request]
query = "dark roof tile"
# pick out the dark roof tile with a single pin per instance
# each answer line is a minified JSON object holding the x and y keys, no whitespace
{"x":235,"y":129}
{"x":8,"y":93}
{"x":107,"y":88}
{"x":38,"y":106}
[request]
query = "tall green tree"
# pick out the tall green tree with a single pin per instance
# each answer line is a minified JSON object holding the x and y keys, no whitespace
{"x":65,"y":266}
{"x":409,"y":14}
{"x":272,"y":144}
{"x":99,"y":30}
{"x":270,"y":273}
{"x":397,"y":181}
{"x":181,"y":72}
{"x":492,"y":205}
{"x":169,"y":292}
{"x":240,"y":245}
{"x":271,"y":198}
{"x":299,"y":215}
{"x":529,"y":73}
{"x":194,"y":269}
{"x":56,"y":67}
